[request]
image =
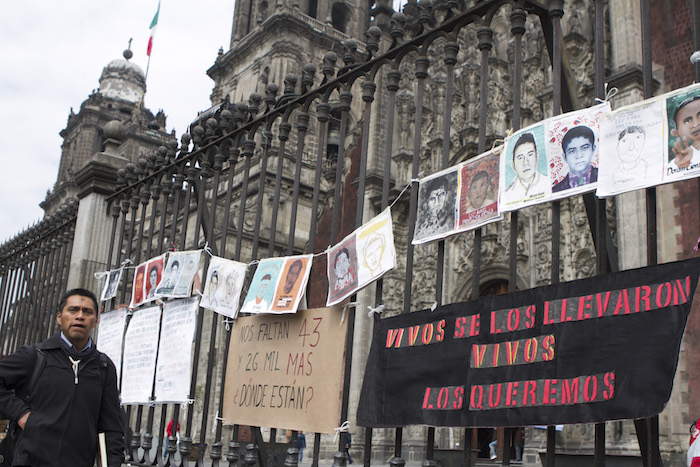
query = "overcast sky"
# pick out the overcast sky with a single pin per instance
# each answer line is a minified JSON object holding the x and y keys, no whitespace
{"x":52,"y":55}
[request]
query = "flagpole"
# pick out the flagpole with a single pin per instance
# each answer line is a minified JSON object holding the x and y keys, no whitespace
{"x":152,"y":27}
{"x":148,"y":65}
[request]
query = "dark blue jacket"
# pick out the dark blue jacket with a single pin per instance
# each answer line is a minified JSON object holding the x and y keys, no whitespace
{"x":65,"y":417}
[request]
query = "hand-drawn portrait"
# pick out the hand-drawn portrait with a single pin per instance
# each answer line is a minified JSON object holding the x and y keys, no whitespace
{"x":572,"y":142}
{"x":137,"y":286}
{"x":375,"y":246}
{"x":437,"y":198}
{"x":111,"y":284}
{"x":578,"y":147}
{"x":189,"y":265}
{"x":173,"y":269}
{"x":683,"y":112}
{"x":210,"y":299}
{"x":631,"y":148}
{"x":292,"y":284}
{"x":478,"y":190}
{"x":524,"y":169}
{"x":260,"y":293}
{"x":222,"y":290}
{"x":342,"y":270}
{"x":154,"y":270}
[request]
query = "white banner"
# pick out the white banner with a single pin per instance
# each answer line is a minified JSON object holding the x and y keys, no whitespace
{"x":140,"y":350}
{"x":110,"y":336}
{"x":173,"y":370}
{"x":222,"y":291}
{"x":362,"y":257}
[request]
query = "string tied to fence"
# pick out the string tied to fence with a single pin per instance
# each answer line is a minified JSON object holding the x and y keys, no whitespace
{"x":186,"y":403}
{"x":609,"y":94}
{"x":375,"y":309}
{"x":344,"y":428}
{"x":227,"y":323}
{"x":101,"y":274}
{"x":207,"y":248}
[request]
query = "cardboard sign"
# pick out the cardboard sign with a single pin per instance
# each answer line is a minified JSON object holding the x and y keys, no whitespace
{"x":597,"y":349}
{"x":286,"y":371}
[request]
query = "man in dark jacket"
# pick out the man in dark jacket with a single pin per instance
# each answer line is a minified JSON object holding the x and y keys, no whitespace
{"x":75,"y":396}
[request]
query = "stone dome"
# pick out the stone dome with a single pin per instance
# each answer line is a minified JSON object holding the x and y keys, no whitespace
{"x":123,"y":80}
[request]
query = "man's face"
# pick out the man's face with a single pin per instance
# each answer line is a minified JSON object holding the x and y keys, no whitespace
{"x":578,"y":154}
{"x":342,"y":266}
{"x":477,"y":192}
{"x":139,"y":282}
{"x":77,"y":319}
{"x":629,"y":146}
{"x":231,"y":281}
{"x":688,"y":121}
{"x":525,"y":161}
{"x":436,"y":200}
{"x":262,"y":287}
{"x":292,"y":276}
{"x":373,"y":252}
{"x":153,"y":277}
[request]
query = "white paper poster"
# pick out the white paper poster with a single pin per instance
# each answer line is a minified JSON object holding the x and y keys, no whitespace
{"x":140,"y":351}
{"x":173,"y":371}
{"x":552,"y":159}
{"x":460,"y":198}
{"x":110,"y":336}
{"x":631,"y":148}
{"x":111,"y":284}
{"x":362,"y":257}
{"x":222,"y":291}
{"x":278,"y":285}
{"x":182,"y":274}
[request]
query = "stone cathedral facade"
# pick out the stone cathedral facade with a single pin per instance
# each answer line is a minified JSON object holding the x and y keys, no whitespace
{"x":271,"y":44}
{"x":272,"y":40}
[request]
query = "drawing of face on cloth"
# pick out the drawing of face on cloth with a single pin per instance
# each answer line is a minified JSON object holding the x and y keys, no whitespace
{"x":375,"y":248}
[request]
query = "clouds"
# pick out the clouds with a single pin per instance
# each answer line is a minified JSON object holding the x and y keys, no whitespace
{"x":52,"y":56}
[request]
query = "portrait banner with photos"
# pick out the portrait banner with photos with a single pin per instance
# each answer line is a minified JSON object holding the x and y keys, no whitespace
{"x":146,"y":278}
{"x":183,"y":273}
{"x":437,"y":206}
{"x":110,"y":336}
{"x":552,"y":159}
{"x":572,"y":144}
{"x":137,"y":296}
{"x":222,"y":289}
{"x":112,"y":279}
{"x":524,"y":170}
{"x":140,"y":351}
{"x":173,"y":370}
{"x":154,"y":274}
{"x":682,"y":109}
{"x":292,"y":284}
{"x":445,"y":209}
{"x":278,"y":285}
{"x":361,"y":258}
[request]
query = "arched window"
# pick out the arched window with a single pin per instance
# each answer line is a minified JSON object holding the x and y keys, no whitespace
{"x":340,"y":16}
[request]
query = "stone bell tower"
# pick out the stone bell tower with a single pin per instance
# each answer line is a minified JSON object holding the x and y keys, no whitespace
{"x":120,"y":97}
{"x":273,"y":38}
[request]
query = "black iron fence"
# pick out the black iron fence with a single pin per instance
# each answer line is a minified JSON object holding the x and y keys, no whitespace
{"x":297,"y":168}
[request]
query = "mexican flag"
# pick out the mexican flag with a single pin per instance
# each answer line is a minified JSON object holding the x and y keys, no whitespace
{"x":153,"y":25}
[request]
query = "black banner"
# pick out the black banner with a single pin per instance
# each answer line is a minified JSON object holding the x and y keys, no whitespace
{"x":604,"y":348}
